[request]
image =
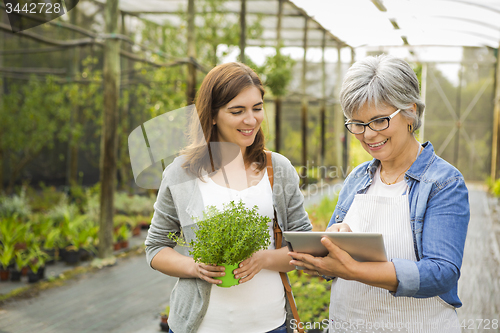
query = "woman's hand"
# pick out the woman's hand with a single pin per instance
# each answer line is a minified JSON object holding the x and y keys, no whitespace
{"x":339,"y":227}
{"x":251,"y":266}
{"x":337,"y":263}
{"x":208,"y":272}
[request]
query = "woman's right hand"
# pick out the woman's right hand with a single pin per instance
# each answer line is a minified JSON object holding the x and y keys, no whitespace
{"x":339,"y":227}
{"x":208,"y":272}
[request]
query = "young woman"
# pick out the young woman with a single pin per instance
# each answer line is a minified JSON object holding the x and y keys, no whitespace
{"x":229,"y":108}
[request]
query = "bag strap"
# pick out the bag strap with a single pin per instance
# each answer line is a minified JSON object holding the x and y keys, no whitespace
{"x":278,"y":237}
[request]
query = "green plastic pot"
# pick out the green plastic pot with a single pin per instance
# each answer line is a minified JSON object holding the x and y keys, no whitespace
{"x":228,"y":280}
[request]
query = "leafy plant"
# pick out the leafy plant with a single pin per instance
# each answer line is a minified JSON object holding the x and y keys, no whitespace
{"x":231,"y":235}
{"x":166,"y":311}
{"x":121,"y":234}
{"x":321,"y":213}
{"x":312,"y":296}
{"x":6,"y":254}
{"x":17,"y":205}
{"x":44,"y":199}
{"x":22,"y":259}
{"x":36,"y":257}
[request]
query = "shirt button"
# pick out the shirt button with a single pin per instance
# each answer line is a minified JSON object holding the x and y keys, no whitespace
{"x":336,"y":216}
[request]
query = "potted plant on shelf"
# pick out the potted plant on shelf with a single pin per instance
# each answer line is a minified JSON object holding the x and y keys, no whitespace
{"x":228,"y":237}
{"x":164,"y":319}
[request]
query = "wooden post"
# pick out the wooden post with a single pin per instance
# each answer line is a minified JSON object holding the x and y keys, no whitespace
{"x":191,"y":49}
{"x":111,"y":75}
{"x":2,"y":39}
{"x":74,"y":62}
{"x":322,"y":110}
{"x":496,"y":122}
{"x":338,"y":114}
{"x":456,"y":150}
{"x":304,"y":106}
{"x":423,"y":96}
{"x":278,"y":99}
{"x":243,"y":30}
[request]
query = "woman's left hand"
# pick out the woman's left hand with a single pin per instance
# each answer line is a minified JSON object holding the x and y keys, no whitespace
{"x":251,"y":266}
{"x":337,"y":263}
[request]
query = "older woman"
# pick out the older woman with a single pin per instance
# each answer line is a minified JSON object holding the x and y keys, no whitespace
{"x":418,"y":201}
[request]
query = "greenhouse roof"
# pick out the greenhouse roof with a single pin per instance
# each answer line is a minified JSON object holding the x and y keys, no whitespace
{"x":292,"y":25}
{"x":409,"y":22}
{"x":355,"y":23}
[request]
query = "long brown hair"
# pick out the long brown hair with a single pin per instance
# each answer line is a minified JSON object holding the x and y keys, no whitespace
{"x":219,"y":87}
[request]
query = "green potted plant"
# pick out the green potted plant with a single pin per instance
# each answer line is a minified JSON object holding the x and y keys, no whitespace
{"x":21,"y":260}
{"x":79,"y":234}
{"x":164,"y":319}
{"x":6,"y":257}
{"x":122,"y":236}
{"x":228,"y":237}
{"x":36,"y":261}
{"x":10,"y":234}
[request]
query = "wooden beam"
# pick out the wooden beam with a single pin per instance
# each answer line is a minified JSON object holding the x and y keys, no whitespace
{"x":304,"y":106}
{"x":243,"y":30}
{"x":496,"y":122}
{"x":111,"y":77}
{"x":322,"y":111}
{"x":191,"y":49}
{"x":338,"y":116}
{"x":278,"y":99}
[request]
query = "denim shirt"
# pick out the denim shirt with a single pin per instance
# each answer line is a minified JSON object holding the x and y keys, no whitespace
{"x":439,"y":216}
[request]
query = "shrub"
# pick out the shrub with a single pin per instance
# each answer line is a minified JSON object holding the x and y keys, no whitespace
{"x":229,"y":236}
{"x":320,"y":214}
{"x":16,"y":205}
{"x":312,"y":296}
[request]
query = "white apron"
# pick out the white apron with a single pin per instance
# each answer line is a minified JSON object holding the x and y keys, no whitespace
{"x":357,"y":307}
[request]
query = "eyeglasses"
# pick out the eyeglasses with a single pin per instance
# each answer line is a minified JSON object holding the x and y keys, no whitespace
{"x":377,"y":125}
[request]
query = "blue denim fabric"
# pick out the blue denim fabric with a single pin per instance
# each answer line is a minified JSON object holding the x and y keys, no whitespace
{"x":439,"y":217}
{"x":281,"y":329}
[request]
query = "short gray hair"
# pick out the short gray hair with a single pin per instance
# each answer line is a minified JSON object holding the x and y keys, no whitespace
{"x":382,"y":80}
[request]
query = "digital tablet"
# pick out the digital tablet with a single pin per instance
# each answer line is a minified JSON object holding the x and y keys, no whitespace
{"x":362,"y":246}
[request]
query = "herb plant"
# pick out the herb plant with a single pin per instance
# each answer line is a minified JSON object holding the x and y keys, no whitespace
{"x":231,"y":235}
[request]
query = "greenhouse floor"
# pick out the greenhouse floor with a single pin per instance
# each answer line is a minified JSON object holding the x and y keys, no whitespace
{"x":129,"y":296}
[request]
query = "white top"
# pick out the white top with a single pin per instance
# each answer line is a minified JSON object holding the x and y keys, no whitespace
{"x":255,"y":306}
{"x":378,"y":187}
{"x":358,"y":307}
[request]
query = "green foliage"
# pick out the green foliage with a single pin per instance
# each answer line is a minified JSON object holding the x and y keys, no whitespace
{"x":121,"y":233}
{"x":357,"y":154}
{"x":320,"y":214}
{"x":231,"y":235}
{"x":81,"y":233}
{"x":34,"y":116}
{"x":36,"y":257}
{"x":45,"y":199}
{"x":15,"y":205}
{"x":312,"y":296}
{"x":166,"y":311}
{"x":494,"y":186}
{"x":278,"y":72}
{"x":134,"y":204}
{"x":6,"y":254}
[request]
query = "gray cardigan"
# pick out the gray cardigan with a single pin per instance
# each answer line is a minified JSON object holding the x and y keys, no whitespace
{"x":179,"y":199}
